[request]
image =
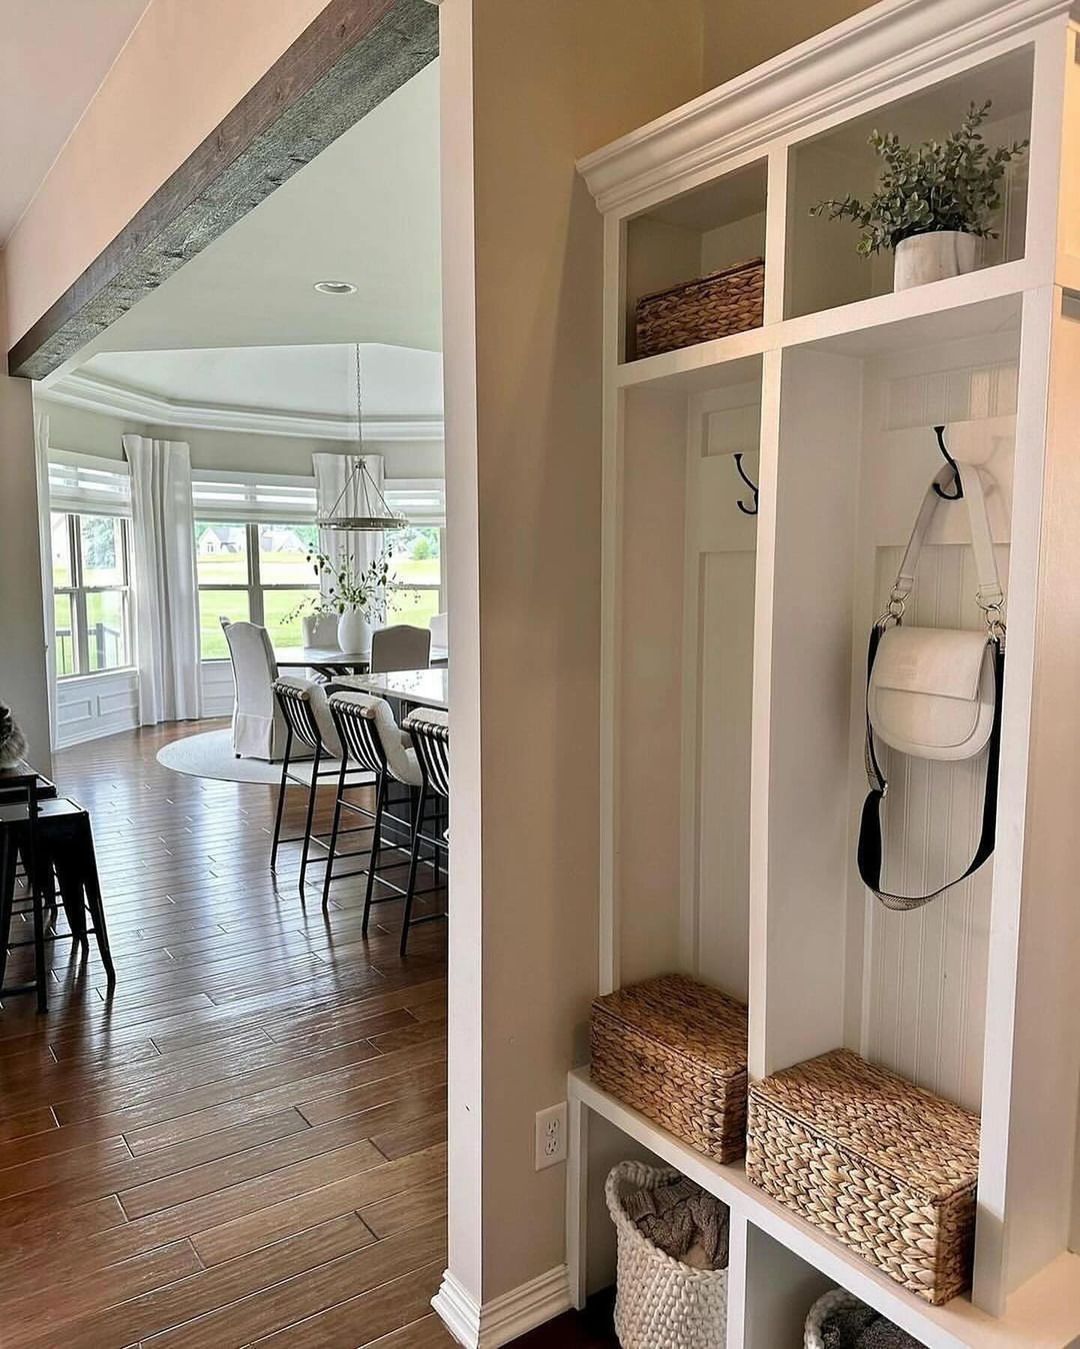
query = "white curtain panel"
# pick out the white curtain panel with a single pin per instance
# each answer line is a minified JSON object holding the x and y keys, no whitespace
{"x":41,"y":450}
{"x":166,"y":590}
{"x":356,"y":547}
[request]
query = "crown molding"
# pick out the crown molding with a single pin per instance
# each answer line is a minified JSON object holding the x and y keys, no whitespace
{"x":82,"y":389}
{"x":872,"y":53}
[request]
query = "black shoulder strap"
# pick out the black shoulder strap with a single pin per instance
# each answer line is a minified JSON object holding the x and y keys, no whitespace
{"x":870,"y":847}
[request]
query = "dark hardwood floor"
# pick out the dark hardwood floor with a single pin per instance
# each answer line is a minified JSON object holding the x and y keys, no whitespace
{"x":246,"y":1143}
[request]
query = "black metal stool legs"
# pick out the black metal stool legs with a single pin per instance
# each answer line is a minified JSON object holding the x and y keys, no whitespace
{"x":328,"y":877}
{"x":281,"y":799}
{"x":376,"y":842}
{"x":414,"y":860}
{"x":312,"y":793}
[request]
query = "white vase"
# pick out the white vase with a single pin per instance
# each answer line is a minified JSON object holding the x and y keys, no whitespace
{"x":932,"y":257}
{"x":354,"y":632}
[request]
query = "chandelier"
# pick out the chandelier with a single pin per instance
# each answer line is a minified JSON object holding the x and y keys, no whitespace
{"x":360,"y":505}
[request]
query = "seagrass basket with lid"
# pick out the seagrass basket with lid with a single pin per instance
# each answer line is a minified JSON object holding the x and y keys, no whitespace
{"x":885,"y":1167}
{"x":676,"y":1050}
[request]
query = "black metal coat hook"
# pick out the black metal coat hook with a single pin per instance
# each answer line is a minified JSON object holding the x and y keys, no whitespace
{"x":958,"y":486}
{"x":746,"y":510}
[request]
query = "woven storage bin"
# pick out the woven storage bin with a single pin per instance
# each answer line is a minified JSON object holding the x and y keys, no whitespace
{"x":676,"y":1050}
{"x":819,"y":1313}
{"x":660,"y":1303}
{"x":729,"y":301}
{"x":883,"y":1166}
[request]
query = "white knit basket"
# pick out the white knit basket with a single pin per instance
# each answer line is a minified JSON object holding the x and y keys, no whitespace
{"x":823,"y":1308}
{"x":660,"y":1302}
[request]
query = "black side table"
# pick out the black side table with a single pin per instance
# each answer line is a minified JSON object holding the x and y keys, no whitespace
{"x":18,"y":783}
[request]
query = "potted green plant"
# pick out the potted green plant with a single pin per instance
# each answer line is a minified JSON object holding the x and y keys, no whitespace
{"x":357,"y":596}
{"x":932,"y":203}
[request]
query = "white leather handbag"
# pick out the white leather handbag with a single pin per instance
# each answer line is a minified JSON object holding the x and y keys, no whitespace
{"x":935,"y":693}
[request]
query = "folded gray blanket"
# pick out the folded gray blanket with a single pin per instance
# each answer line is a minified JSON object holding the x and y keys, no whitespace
{"x":685,"y":1221}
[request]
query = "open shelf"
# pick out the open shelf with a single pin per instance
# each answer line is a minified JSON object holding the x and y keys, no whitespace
{"x":962,"y":306}
{"x":689,"y":236}
{"x":1043,"y":1314}
{"x":823,"y":269}
{"x":685,"y":661}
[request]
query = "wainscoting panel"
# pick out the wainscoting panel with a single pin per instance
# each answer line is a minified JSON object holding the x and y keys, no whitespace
{"x":218,"y":690}
{"x":727,"y":667}
{"x":91,"y":706}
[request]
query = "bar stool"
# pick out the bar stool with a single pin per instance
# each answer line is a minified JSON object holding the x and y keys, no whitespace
{"x":371,"y":736}
{"x":429,"y":729}
{"x":62,"y":845}
{"x":303,"y":705}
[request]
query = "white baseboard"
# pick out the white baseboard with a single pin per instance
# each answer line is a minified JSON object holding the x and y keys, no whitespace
{"x":504,"y":1318}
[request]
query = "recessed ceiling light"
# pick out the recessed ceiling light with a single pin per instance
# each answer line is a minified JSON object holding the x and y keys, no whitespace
{"x":335,"y":287}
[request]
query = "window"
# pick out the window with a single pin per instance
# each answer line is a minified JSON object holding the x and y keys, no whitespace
{"x":91,"y":557}
{"x":416,"y":589}
{"x":252,"y":570}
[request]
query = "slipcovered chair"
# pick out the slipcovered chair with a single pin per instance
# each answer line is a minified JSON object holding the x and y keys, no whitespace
{"x":258,"y":726}
{"x":400,"y":647}
{"x":438,"y":629}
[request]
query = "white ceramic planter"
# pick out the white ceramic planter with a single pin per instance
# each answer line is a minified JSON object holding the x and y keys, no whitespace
{"x":932,"y":257}
{"x":354,"y":631}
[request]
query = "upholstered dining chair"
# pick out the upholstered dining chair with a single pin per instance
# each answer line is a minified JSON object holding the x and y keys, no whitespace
{"x":258,"y":726}
{"x":400,"y":647}
{"x":438,"y":628}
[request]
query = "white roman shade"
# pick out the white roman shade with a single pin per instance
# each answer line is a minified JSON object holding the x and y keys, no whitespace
{"x":421,"y":500}
{"x":271,"y":497}
{"x":86,"y":484}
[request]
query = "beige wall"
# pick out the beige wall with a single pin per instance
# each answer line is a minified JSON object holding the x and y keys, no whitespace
{"x":552,"y":79}
{"x":743,"y":33}
{"x":23,"y":681}
{"x":185,"y":65}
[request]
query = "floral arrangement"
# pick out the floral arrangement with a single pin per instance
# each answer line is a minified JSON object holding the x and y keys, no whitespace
{"x":342,"y":588}
{"x":954,"y":184}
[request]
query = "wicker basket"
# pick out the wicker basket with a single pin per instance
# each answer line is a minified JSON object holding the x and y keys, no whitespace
{"x":729,"y":301}
{"x":879,"y":1164}
{"x":819,"y":1313}
{"x":660,"y":1303}
{"x":676,"y":1050}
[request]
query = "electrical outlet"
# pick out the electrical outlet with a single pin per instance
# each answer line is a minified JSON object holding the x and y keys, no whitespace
{"x":551,"y":1136}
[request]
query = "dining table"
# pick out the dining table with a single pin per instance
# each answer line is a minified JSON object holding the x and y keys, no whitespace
{"x":407,"y":688}
{"x":332,"y":662}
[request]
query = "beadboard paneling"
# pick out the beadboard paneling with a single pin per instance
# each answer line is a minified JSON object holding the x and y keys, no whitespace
{"x":727,"y":668}
{"x":925,"y":973}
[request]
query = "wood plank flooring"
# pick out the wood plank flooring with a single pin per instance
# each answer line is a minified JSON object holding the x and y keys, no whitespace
{"x":246,"y":1143}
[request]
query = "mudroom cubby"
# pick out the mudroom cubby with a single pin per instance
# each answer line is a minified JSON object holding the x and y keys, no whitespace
{"x":759,"y":490}
{"x":824,"y":269}
{"x":690,"y":236}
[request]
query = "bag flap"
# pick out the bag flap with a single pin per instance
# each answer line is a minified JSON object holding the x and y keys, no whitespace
{"x":944,"y":662}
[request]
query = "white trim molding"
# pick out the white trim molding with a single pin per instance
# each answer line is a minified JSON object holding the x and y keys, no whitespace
{"x":81,"y":388}
{"x":504,"y":1318}
{"x":871,"y":53}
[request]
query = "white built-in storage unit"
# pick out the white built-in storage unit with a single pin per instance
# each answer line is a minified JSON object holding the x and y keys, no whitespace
{"x":734,"y":644}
